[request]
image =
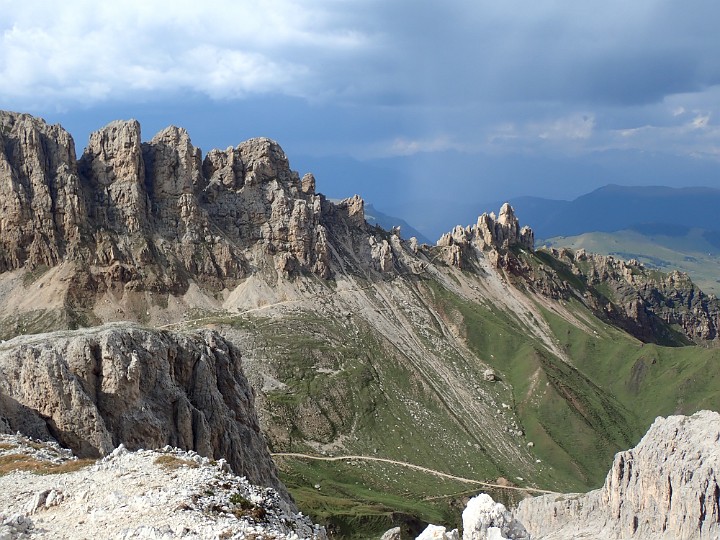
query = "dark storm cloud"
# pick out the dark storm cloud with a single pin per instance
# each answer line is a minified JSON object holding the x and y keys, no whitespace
{"x":611,"y":53}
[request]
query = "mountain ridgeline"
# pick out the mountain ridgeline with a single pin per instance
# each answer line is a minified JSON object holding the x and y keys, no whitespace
{"x":480,"y":356}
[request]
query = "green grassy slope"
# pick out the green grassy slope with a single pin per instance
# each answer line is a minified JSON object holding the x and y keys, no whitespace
{"x":347,"y":389}
{"x":575,"y":425}
{"x":650,"y":380}
{"x":345,"y":383}
{"x":577,"y":411}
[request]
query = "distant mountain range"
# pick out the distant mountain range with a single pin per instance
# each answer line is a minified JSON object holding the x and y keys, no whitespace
{"x":647,"y":210}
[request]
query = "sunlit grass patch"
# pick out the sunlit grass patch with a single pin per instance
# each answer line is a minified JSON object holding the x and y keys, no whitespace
{"x":21,"y":462}
{"x":174,"y":462}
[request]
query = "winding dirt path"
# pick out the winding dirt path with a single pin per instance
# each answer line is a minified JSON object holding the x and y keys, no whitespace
{"x":410,"y":466}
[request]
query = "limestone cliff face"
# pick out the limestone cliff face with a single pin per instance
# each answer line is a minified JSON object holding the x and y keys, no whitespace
{"x":42,"y":208}
{"x":491,"y":234}
{"x":666,"y":487}
{"x":156,"y":215}
{"x":264,"y":207}
{"x":95,"y":389}
{"x":114,"y":170}
{"x":672,"y":297}
{"x":207,"y":219}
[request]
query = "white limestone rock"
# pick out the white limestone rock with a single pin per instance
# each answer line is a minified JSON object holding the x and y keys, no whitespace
{"x":436,"y":532}
{"x":392,"y":534}
{"x":667,"y":487}
{"x":485,"y":519}
{"x":164,"y":494}
{"x":490,"y":233}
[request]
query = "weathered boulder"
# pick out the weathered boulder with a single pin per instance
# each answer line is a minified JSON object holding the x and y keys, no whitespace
{"x":392,"y":534}
{"x":485,"y":519}
{"x":437,"y":532}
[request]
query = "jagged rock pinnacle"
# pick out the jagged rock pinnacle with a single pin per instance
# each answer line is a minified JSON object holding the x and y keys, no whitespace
{"x":490,"y":233}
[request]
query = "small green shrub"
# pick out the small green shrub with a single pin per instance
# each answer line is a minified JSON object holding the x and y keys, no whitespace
{"x":241,"y":501}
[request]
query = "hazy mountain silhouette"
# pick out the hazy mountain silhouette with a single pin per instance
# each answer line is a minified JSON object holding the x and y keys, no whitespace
{"x":647,"y":209}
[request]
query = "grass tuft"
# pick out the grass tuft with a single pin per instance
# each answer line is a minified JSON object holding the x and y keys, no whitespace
{"x":246,"y":508}
{"x":173,"y":462}
{"x":21,"y":462}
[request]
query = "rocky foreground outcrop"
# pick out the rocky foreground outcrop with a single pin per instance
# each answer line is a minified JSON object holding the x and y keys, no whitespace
{"x":667,"y":487}
{"x":93,"y":390}
{"x":142,"y":495}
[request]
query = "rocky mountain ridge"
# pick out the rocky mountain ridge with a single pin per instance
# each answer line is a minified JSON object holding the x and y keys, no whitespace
{"x":135,"y":204}
{"x":138,"y":221}
{"x":494,"y":234}
{"x":653,"y":306}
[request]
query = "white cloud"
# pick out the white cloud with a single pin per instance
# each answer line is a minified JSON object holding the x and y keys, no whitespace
{"x":574,"y":127}
{"x":467,"y":76}
{"x":695,"y":136}
{"x":362,"y":50}
{"x":81,"y":51}
{"x":700,"y":121}
{"x":405,"y":146}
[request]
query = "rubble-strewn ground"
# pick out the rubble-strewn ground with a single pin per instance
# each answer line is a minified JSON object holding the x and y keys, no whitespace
{"x":47,"y":493}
